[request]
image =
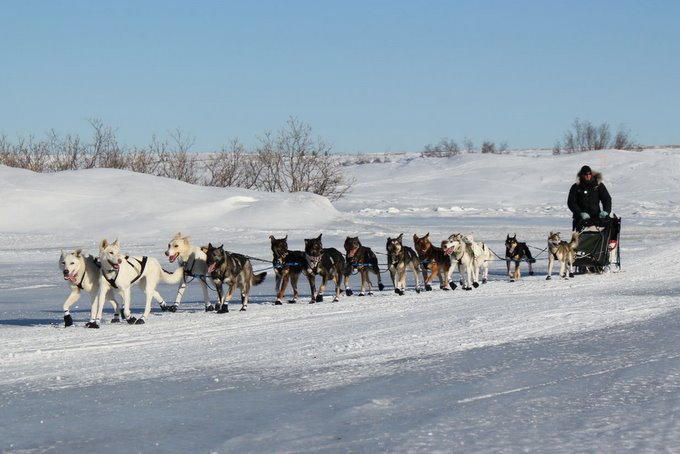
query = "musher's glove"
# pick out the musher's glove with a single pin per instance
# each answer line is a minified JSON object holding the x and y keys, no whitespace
{"x":585,"y":216}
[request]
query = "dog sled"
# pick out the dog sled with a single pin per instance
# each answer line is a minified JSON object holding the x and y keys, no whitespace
{"x":598,"y":247}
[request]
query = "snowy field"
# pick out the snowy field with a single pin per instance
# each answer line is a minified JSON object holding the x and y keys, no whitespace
{"x":590,"y":364}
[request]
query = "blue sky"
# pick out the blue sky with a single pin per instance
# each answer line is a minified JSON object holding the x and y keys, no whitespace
{"x":367,"y":76}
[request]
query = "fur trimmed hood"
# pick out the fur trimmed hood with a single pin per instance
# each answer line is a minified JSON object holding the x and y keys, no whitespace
{"x":597,"y":178}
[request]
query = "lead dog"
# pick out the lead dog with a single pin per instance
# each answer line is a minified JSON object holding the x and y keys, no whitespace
{"x":120,"y":272}
{"x":83,"y":273}
{"x":432,"y":258}
{"x":399,"y":259}
{"x":516,"y":251}
{"x":563,"y":252}
{"x":192,"y":260}
{"x":287,"y":265}
{"x":232,"y":269}
{"x":326,"y":262}
{"x":362,"y":259}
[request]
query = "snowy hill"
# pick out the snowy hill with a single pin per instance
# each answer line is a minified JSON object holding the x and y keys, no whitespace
{"x":586,"y":364}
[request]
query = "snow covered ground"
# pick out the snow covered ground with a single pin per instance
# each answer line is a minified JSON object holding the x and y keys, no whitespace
{"x":590,"y":364}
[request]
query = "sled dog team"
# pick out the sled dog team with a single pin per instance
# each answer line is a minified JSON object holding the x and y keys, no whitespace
{"x":114,"y":273}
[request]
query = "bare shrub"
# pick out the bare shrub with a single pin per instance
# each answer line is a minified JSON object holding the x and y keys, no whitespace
{"x":233,"y":166}
{"x":445,"y":148}
{"x":292,"y":161}
{"x":175,"y":161}
{"x":585,"y":136}
{"x":488,"y":147}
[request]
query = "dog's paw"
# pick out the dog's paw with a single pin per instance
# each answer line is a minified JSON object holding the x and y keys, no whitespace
{"x":336,"y":299}
{"x":68,"y":320}
{"x":139,"y":321}
{"x":362,"y":294}
{"x":93,"y":325}
{"x":294,"y":301}
{"x":512,"y":279}
{"x":428,"y":288}
{"x":131,"y":320}
{"x":571,"y":274}
{"x":223,"y":309}
{"x":452,"y":285}
{"x":165,"y":307}
{"x":468,"y":288}
{"x":417,"y":289}
{"x":173,"y":308}
{"x":319,"y":298}
{"x":444,"y":287}
{"x":484,"y":281}
{"x":115,"y":319}
{"x":278,"y":303}
{"x":475,"y":284}
{"x":548,"y":278}
{"x":531,"y":273}
{"x":381,"y":287}
{"x":210,"y":308}
{"x":243,"y":308}
{"x":349,"y":292}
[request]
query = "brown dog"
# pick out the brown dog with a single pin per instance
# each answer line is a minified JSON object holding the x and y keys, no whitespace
{"x":434,"y":259}
{"x":362,"y":259}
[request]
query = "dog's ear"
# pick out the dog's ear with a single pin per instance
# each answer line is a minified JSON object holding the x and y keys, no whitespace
{"x":427,"y":235}
{"x":286,"y":237}
{"x":115,"y":243}
{"x":400,"y":237}
{"x":103,"y":243}
{"x":271,"y":238}
{"x":415,"y":237}
{"x":319,"y":237}
{"x":78,"y":252}
{"x":178,"y":235}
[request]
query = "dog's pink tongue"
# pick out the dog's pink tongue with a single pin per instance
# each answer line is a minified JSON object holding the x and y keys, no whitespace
{"x":449,"y":251}
{"x":211,"y":268}
{"x":71,"y":277}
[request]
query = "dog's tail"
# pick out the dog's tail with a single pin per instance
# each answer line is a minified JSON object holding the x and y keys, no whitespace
{"x":258,"y":278}
{"x":172,"y":277}
{"x":574,"y":240}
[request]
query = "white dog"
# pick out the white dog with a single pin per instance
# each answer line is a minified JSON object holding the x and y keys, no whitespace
{"x":482,"y":256}
{"x":119,"y":272}
{"x":470,"y":257}
{"x":82,"y":273}
{"x":192,"y":260}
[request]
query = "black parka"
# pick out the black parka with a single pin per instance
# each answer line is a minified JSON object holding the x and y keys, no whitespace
{"x":586,"y":197}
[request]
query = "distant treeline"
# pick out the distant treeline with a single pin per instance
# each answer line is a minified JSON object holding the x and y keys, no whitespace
{"x":584,"y":136}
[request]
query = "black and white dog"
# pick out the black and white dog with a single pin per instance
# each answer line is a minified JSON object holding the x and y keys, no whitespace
{"x":516,"y":251}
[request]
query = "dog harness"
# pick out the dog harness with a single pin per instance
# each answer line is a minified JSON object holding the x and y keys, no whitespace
{"x":142,"y":266}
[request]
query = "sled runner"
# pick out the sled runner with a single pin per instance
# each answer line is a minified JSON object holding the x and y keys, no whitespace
{"x":598,"y":247}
